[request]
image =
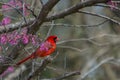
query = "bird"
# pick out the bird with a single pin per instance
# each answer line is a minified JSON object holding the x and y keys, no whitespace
{"x":46,"y":48}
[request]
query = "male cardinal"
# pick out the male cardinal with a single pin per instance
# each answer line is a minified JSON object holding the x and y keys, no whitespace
{"x":46,"y":48}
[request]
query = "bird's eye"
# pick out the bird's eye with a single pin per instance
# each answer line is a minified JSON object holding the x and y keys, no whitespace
{"x":55,"y":39}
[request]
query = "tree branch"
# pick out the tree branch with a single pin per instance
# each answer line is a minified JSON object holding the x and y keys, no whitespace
{"x":38,"y":71}
{"x":42,"y":15}
{"x":67,"y":75}
{"x":74,"y":9}
{"x":98,"y":15}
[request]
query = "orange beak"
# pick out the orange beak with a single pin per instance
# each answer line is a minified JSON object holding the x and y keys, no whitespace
{"x":57,"y":39}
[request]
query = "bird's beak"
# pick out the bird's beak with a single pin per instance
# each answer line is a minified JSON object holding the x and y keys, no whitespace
{"x":57,"y":39}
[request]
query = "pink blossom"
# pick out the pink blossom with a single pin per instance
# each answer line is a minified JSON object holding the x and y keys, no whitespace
{"x":13,"y":42}
{"x":24,"y":10}
{"x":13,"y":3}
{"x":5,"y":7}
{"x":45,"y":46}
{"x":3,"y":39}
{"x":9,"y":70}
{"x":18,"y":4}
{"x":14,"y":37}
{"x":33,"y":40}
{"x":1,"y":59}
{"x":6,"y":21}
{"x":113,"y":4}
{"x":25,"y":39}
{"x":0,"y":48}
{"x":18,"y":36}
{"x":24,"y":31}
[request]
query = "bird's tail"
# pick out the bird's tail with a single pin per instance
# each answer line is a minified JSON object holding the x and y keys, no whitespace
{"x":25,"y":59}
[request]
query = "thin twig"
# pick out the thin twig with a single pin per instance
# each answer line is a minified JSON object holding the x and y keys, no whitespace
{"x":67,"y":75}
{"x":41,"y":2}
{"x":108,"y":6}
{"x":73,"y":48}
{"x":49,"y":30}
{"x":83,"y":75}
{"x":98,"y":15}
{"x":75,"y":26}
{"x":91,"y":39}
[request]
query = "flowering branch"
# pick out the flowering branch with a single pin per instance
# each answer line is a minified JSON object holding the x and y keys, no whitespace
{"x":43,"y":15}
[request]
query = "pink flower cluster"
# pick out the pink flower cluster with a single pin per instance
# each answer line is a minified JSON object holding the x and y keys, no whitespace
{"x":14,"y":37}
{"x":10,"y":6}
{"x":18,"y":4}
{"x":6,"y":20}
{"x":45,"y":46}
{"x":8,"y":71}
{"x":112,"y":3}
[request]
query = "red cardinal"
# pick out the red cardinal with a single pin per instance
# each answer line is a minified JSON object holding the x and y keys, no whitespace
{"x":45,"y":49}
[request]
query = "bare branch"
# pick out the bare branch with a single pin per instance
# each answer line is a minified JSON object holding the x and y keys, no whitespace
{"x":74,"y":9}
{"x":67,"y":75}
{"x":42,"y":15}
{"x":15,"y":26}
{"x":38,"y":71}
{"x":102,"y":16}
{"x":75,"y":26}
{"x":73,"y":48}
